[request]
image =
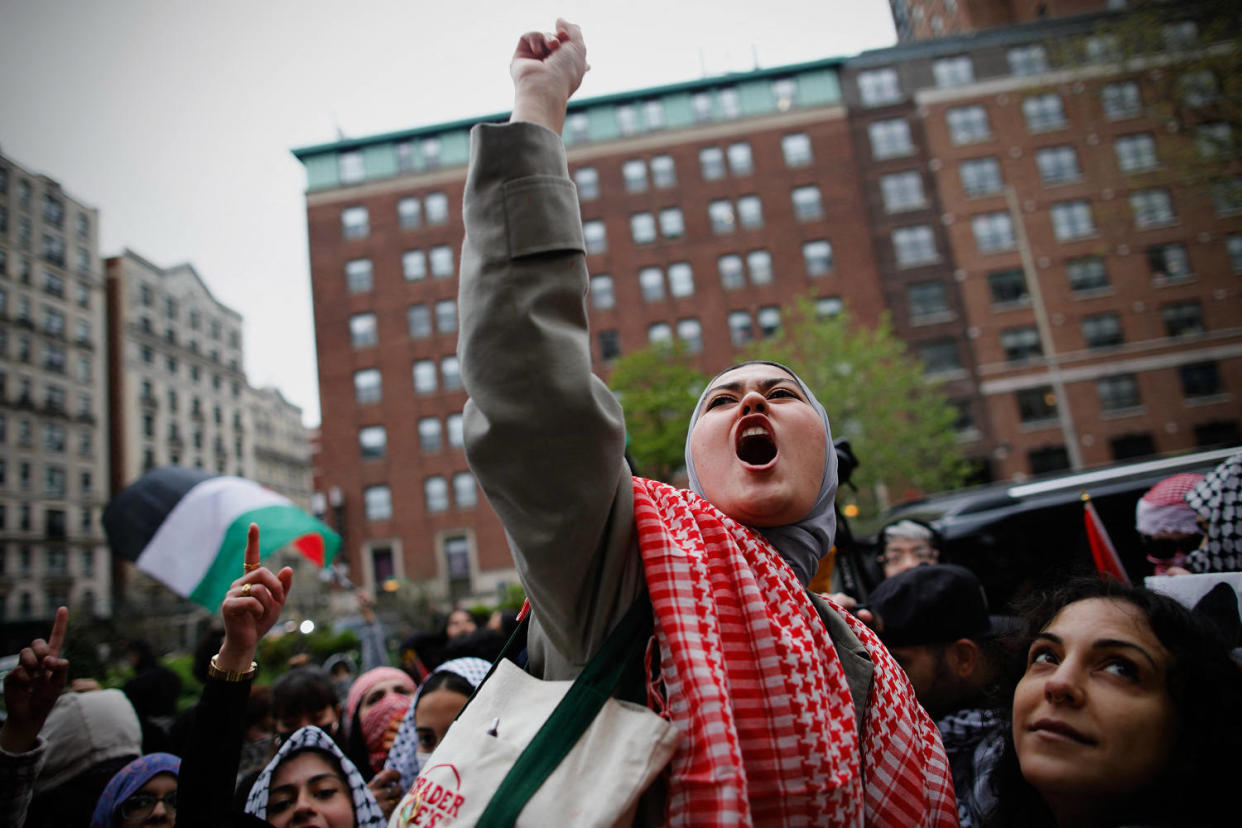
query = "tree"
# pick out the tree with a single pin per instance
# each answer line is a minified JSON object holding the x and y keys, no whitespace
{"x":658,"y":387}
{"x":898,"y":423}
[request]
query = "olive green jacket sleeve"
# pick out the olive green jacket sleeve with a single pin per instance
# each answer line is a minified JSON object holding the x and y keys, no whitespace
{"x":543,"y":435}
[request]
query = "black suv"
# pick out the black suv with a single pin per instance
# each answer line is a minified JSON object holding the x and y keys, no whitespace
{"x":1019,"y":536}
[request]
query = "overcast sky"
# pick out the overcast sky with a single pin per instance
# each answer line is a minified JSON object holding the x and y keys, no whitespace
{"x":176,"y":118}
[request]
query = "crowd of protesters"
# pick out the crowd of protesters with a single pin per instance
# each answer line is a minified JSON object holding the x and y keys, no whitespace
{"x":1088,"y":703}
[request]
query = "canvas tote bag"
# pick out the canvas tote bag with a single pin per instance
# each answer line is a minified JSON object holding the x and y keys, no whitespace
{"x":528,"y":752}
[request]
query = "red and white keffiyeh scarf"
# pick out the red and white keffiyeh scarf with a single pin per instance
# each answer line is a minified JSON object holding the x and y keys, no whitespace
{"x":755,"y":685}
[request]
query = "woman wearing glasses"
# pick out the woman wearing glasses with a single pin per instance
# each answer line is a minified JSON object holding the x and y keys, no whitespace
{"x":144,"y":792}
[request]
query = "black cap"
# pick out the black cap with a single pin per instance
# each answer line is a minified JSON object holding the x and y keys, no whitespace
{"x":932,"y":604}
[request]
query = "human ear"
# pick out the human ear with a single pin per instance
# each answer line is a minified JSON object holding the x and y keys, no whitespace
{"x":964,"y":656}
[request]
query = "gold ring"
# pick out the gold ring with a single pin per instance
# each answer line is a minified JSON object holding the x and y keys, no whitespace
{"x":245,"y":590}
{"x":250,"y":567}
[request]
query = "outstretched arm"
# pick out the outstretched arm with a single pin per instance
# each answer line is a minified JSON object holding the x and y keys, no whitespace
{"x":544,"y":436}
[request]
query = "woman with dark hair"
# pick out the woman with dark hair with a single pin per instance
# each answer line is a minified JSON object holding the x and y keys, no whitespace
{"x":1130,"y":712}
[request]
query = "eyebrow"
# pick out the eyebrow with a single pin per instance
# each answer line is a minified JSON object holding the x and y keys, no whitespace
{"x":1106,"y":644}
{"x":292,"y":788}
{"x":764,"y":384}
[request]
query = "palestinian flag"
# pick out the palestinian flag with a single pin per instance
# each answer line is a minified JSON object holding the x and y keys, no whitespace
{"x":187,"y":529}
{"x":1107,"y":561}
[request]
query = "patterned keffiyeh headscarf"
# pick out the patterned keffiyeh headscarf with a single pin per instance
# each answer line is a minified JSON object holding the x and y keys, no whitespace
{"x":1218,"y":500}
{"x":127,"y":782}
{"x":403,"y":757}
{"x":367,"y":813}
{"x":801,"y":544}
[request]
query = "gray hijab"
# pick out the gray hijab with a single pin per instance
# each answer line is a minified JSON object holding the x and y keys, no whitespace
{"x":801,"y":544}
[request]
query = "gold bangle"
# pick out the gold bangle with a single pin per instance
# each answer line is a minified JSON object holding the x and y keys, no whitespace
{"x":214,"y":670}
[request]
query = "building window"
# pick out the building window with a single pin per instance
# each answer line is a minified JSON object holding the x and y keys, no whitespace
{"x":372,"y":442}
{"x":1215,"y":141}
{"x":890,"y":139}
{"x":740,"y":329}
{"x":980,"y":176}
{"x":355,"y":223}
{"x":414,"y":265}
{"x":465,"y":492}
{"x":720,"y":216}
{"x":424,"y":376}
{"x":732,"y":276}
{"x":818,"y":257}
{"x":441,"y":257}
{"x":643,"y":228}
{"x":1152,"y":208}
{"x":826,"y":306}
{"x":759,"y":263}
{"x":1168,"y":262}
{"x":663,"y":172}
{"x":1102,"y":331}
{"x":1043,"y":112}
{"x":1021,"y":344}
{"x":953,"y":71}
{"x":1218,"y":434}
{"x":358,"y":275}
{"x":879,"y":87}
{"x":1008,"y":287}
{"x":609,"y":345}
{"x":711,"y":163}
{"x":594,"y":236}
{"x":436,"y":207}
{"x":968,"y":124}
{"x":602,"y":296}
{"x":940,"y":357}
{"x":690,"y":332}
{"x":927,"y":301}
{"x":1200,"y":379}
{"x":454,"y":426}
{"x":1136,"y":153}
{"x":660,"y":333}
{"x":457,"y":564}
{"x":1118,"y":393}
{"x":1233,"y":246}
{"x":651,"y":284}
{"x":914,"y":246}
{"x":429,"y":434}
{"x":450,"y":372}
{"x":577,"y":128}
{"x":993,"y":232}
{"x":446,"y":316}
{"x":653,"y":113}
{"x":750,"y":212}
{"x":409,"y":213}
{"x":363,"y":332}
{"x":1199,"y":88}
{"x":1086,"y":273}
{"x":377,"y":502}
{"x":418,"y":317}
{"x":730,"y":102}
{"x":350,"y":166}
{"x":808,"y":204}
{"x":1031,"y":59}
{"x":672,"y":224}
{"x":785,"y":93}
{"x":741,"y":162}
{"x":1072,"y":220}
{"x":1121,"y":100}
{"x":634,"y":172}
{"x":1057,"y":165}
{"x":902,"y":191}
{"x":680,"y":280}
{"x":768,"y":318}
{"x":796,"y":149}
{"x":1227,"y":195}
{"x":1036,"y":405}
{"x":1183,"y":318}
{"x":587,"y":181}
{"x":1048,"y":459}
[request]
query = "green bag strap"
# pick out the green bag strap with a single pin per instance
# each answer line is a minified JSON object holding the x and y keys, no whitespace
{"x":581,"y":704}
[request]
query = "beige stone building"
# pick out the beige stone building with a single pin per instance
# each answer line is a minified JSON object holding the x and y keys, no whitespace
{"x":53,"y":414}
{"x":280,"y":453}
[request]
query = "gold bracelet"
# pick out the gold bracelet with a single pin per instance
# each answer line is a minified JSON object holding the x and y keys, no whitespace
{"x":214,"y":670}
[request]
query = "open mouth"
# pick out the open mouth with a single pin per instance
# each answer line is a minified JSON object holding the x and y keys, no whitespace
{"x":755,"y":446}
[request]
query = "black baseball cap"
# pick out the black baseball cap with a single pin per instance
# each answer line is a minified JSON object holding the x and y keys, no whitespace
{"x":932,"y":604}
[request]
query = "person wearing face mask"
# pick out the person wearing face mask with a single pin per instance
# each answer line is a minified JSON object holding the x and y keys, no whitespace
{"x":144,"y":792}
{"x":436,"y":704}
{"x":748,"y":660}
{"x":374,"y":708}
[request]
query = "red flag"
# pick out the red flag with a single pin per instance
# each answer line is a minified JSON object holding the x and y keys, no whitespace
{"x":1107,"y":562}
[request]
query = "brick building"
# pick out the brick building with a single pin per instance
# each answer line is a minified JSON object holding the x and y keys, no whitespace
{"x":999,"y":205}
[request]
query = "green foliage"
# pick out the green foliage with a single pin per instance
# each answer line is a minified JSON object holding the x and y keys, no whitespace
{"x":191,"y":690}
{"x":897,"y":421}
{"x":275,"y":651}
{"x":658,"y":387}
{"x":513,"y":598}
